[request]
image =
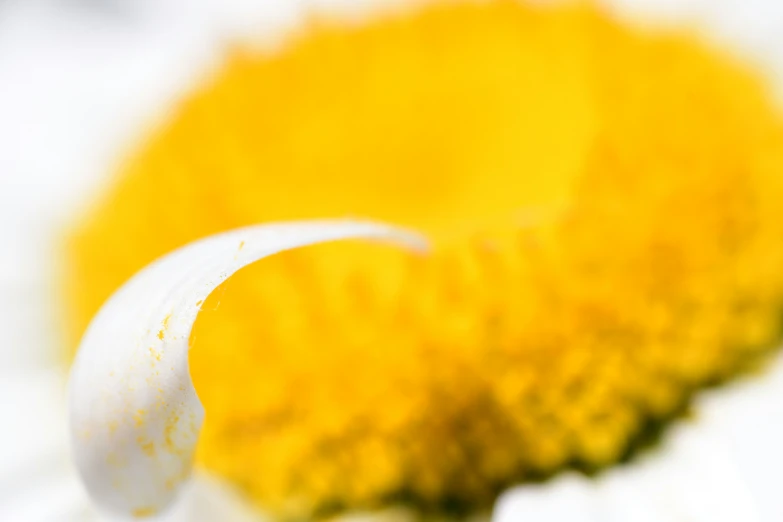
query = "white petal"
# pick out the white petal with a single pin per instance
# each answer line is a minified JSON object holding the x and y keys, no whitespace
{"x":38,"y":482}
{"x":134,"y":414}
{"x":568,"y":498}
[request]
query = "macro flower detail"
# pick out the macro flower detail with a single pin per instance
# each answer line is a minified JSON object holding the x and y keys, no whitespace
{"x":603,"y":205}
{"x":134,"y":414}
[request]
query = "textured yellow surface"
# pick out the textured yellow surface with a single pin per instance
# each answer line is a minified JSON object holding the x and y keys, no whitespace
{"x":605,"y":209}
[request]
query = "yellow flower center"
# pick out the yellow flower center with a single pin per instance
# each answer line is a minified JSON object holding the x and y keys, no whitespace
{"x":604,"y":205}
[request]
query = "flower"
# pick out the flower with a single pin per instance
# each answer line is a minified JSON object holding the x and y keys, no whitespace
{"x":135,"y":417}
{"x":603,"y":204}
{"x":451,"y":286}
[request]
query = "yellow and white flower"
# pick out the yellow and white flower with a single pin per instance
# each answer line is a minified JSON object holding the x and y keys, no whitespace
{"x":598,"y":256}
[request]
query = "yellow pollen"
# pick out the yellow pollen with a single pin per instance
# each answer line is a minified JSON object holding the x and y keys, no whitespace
{"x":139,"y":417}
{"x":144,"y":512}
{"x":147,"y":446}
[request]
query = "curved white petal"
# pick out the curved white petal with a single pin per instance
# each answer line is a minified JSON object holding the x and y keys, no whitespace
{"x":134,"y":414}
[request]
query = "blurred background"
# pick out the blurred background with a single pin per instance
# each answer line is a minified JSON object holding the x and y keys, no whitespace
{"x":81,"y":81}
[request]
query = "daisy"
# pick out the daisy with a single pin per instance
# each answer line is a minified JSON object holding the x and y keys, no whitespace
{"x":594,"y":260}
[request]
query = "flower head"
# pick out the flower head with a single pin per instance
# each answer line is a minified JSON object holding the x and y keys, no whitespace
{"x":604,"y":208}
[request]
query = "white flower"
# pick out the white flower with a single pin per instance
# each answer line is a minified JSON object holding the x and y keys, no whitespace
{"x":74,"y":86}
